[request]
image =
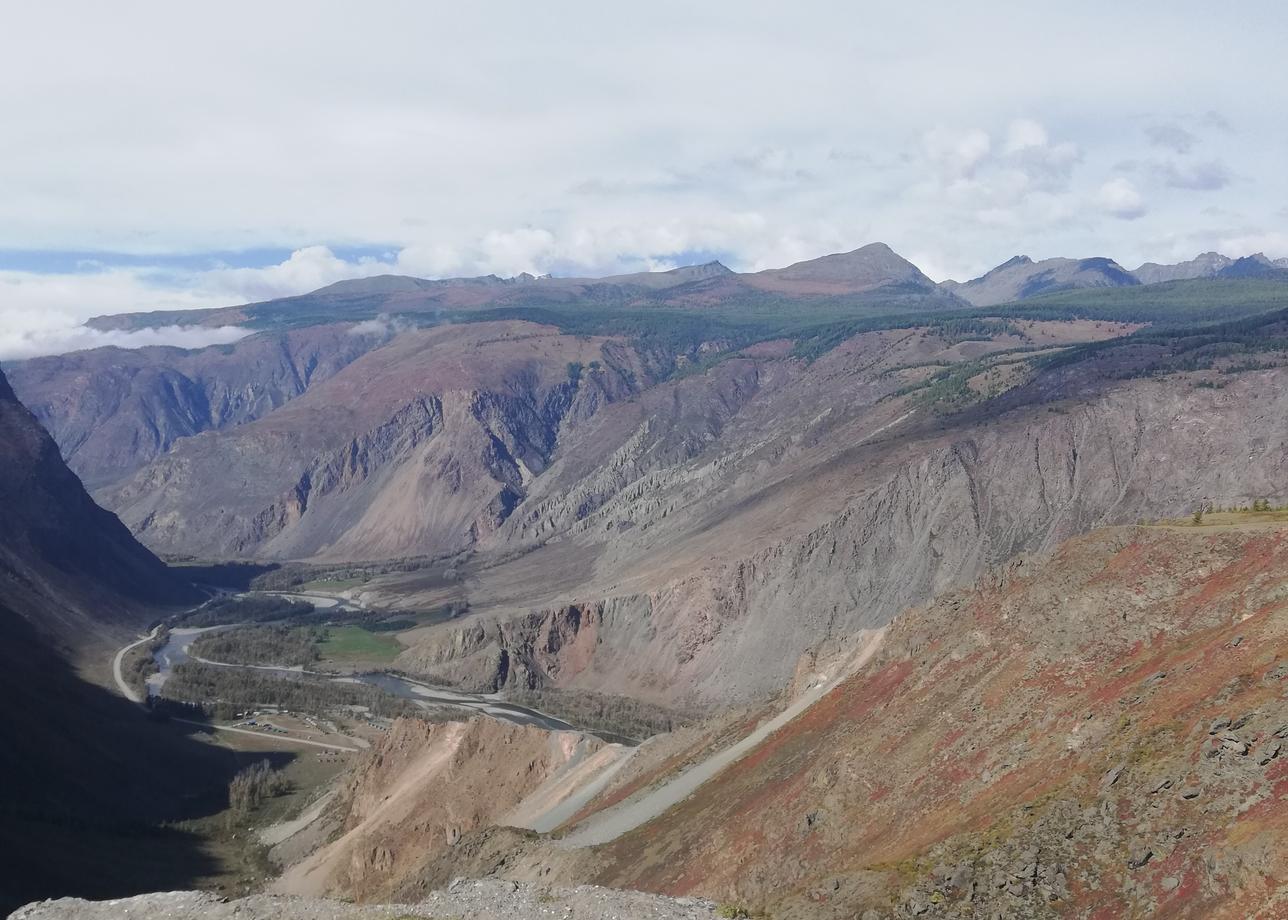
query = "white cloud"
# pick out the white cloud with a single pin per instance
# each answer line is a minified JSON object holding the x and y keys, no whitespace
{"x":1025,"y":134}
{"x":44,"y":313}
{"x":383,"y":326}
{"x":1119,"y":198}
{"x":957,"y":154}
{"x":17,"y":344}
{"x":1273,"y":244}
{"x":305,"y":270}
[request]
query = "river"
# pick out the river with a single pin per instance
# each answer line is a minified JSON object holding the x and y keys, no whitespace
{"x":175,"y":652}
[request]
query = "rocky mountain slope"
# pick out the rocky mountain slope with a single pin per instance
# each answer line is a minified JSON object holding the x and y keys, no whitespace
{"x":1097,"y":733}
{"x":688,"y":539}
{"x":67,"y":565}
{"x":868,"y":268}
{"x":113,"y":410}
{"x":1206,"y":265}
{"x":707,"y":582}
{"x":428,"y":786}
{"x":418,"y":448}
{"x":727,"y":523}
{"x":84,"y":778}
{"x":1255,"y":266}
{"x":1021,"y":277}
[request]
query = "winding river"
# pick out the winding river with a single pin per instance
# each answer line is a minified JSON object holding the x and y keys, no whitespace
{"x":175,"y":652}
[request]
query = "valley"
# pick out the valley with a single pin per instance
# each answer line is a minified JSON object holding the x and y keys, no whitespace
{"x":566,"y":593}
{"x":697,"y":462}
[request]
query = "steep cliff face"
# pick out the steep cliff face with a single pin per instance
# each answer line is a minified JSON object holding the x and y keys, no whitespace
{"x":419,"y":448}
{"x":113,"y":410}
{"x":83,"y":775}
{"x":718,"y":625}
{"x":67,"y":565}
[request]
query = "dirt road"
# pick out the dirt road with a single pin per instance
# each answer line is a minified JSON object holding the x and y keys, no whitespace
{"x":118,"y":675}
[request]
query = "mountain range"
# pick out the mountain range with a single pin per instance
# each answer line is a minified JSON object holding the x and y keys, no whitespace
{"x":935,"y":572}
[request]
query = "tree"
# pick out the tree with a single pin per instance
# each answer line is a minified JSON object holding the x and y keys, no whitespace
{"x":1198,"y":517}
{"x":252,"y":785}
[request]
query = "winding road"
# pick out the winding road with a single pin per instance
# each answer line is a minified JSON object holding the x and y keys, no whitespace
{"x":126,"y":690}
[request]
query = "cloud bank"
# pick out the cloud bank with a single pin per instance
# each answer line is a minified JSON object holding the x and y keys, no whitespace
{"x":15,"y":345}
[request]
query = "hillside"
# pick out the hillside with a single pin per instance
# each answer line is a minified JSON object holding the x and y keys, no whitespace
{"x":1093,"y":735}
{"x":703,"y":530}
{"x":706,"y":581}
{"x":715,"y":512}
{"x":1097,"y":733}
{"x":68,"y":566}
{"x":112,"y":410}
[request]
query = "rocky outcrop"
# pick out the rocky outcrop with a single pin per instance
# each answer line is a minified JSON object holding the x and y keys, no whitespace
{"x":543,"y":648}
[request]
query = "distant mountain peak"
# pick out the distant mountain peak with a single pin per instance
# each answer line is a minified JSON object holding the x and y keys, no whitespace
{"x":1013,"y":262}
{"x":1020,"y":277}
{"x":376,"y":284}
{"x":1204,"y":265}
{"x":866,"y":268}
{"x":1257,"y":265}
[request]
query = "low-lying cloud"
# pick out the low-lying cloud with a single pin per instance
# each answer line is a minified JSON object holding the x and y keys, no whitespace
{"x":16,"y":345}
{"x":383,"y":326}
{"x":44,"y":313}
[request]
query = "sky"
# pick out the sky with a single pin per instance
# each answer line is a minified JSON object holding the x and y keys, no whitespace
{"x":170,"y":155}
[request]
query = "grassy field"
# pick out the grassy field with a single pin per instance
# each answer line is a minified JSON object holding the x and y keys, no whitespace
{"x":332,"y":585}
{"x":350,"y":644}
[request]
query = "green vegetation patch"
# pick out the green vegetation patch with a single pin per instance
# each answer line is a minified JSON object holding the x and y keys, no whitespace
{"x":283,"y":646}
{"x":353,"y":643}
{"x":225,"y":611}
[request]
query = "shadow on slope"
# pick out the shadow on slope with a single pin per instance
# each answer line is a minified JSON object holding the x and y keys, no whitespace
{"x":89,"y":786}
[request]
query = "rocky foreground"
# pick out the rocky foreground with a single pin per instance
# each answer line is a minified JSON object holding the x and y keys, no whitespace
{"x":463,"y":900}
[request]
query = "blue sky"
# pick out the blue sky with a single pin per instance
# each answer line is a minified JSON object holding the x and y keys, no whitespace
{"x":163,"y":155}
